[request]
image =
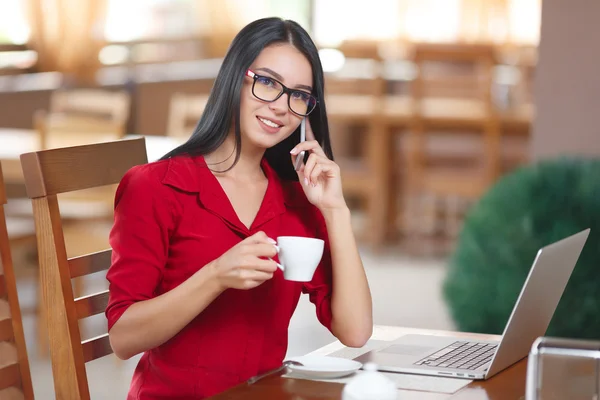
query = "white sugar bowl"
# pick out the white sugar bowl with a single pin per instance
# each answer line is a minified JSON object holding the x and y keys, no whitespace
{"x":370,"y":385}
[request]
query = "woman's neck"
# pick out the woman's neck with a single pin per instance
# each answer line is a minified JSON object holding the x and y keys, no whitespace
{"x":247,"y":168}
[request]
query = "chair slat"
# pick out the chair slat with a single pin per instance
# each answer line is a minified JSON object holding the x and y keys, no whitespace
{"x":3,"y":199}
{"x":90,"y":263}
{"x":6,"y":330}
{"x":96,"y":348}
{"x":61,"y":170}
{"x":10,"y":375}
{"x":91,"y":305}
{"x":2,"y":287}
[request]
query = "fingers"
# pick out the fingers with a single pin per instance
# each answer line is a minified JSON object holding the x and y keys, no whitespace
{"x":308,"y":169}
{"x":313,"y":178}
{"x":254,"y":275}
{"x":262,"y":250}
{"x":297,"y":160}
{"x":311,"y":146}
{"x":315,"y":167}
{"x":262,"y":262}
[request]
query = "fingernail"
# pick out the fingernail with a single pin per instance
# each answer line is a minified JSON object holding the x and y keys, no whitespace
{"x":272,"y":241}
{"x":276,"y":248}
{"x":293,"y":151}
{"x":306,"y":181}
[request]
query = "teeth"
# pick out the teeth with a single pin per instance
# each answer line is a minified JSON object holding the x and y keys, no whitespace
{"x":269,"y":123}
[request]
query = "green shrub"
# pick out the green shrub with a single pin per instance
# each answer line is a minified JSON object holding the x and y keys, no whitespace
{"x":526,"y":210}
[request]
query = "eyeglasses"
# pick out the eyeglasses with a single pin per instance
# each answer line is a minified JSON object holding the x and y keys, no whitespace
{"x":269,"y":89}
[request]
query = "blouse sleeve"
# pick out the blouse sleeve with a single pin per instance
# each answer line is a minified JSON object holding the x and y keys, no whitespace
{"x":143,"y":221}
{"x":320,"y":288}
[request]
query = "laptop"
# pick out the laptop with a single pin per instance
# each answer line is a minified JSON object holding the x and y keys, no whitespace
{"x":463,"y":358}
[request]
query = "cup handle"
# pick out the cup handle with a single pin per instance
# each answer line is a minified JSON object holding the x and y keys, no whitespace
{"x":281,"y":267}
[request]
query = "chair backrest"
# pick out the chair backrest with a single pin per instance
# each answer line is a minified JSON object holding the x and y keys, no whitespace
{"x":14,"y":365}
{"x":452,"y":91}
{"x":64,"y":130}
{"x":448,"y":70}
{"x":184,"y":112}
{"x":83,"y":116}
{"x":49,"y":173}
{"x":112,"y":105}
{"x":361,"y":72}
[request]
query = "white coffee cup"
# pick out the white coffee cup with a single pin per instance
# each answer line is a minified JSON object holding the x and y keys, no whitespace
{"x":299,"y":257}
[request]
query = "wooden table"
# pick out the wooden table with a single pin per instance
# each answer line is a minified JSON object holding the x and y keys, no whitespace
{"x":385,"y":117}
{"x":507,"y":385}
{"x":14,"y":142}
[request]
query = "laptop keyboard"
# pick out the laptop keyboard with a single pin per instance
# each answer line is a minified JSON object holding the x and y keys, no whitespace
{"x":461,"y":355}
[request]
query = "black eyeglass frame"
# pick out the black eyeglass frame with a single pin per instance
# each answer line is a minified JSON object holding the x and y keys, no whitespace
{"x":285,"y":90}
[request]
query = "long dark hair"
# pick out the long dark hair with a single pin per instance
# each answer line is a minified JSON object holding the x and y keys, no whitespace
{"x":223,"y":106}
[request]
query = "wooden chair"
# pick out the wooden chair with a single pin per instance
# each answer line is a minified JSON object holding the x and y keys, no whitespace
{"x":47,"y":174}
{"x":81,"y":115}
{"x":64,"y":130}
{"x":359,"y":138}
{"x":111,"y":105}
{"x":184,"y":112}
{"x":15,"y":377}
{"x":452,"y":96}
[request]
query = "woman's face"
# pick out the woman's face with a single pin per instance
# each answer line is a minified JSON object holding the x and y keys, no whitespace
{"x":264,"y":124}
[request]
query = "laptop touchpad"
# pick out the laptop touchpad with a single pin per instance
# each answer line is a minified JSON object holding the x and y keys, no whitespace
{"x":407,"y":349}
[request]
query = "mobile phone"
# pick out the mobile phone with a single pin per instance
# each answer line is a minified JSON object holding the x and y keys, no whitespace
{"x":300,"y":158}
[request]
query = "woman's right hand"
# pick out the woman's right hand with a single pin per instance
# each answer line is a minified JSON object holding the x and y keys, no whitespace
{"x":246,"y":265}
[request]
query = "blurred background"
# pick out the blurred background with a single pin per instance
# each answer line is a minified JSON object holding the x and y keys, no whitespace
{"x":434,"y":105}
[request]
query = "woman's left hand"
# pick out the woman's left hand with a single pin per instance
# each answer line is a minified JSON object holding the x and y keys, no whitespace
{"x":320,"y":177}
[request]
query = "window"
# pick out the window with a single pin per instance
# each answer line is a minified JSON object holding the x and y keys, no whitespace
{"x":14,"y":33}
{"x":150,"y":19}
{"x":339,"y":20}
{"x":517,"y":21}
{"x":14,"y":28}
{"x":154,"y":31}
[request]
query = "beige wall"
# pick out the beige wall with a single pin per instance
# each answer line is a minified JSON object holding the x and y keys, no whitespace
{"x":567,"y":83}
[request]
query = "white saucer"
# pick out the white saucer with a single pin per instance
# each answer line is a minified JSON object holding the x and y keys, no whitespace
{"x":324,"y":367}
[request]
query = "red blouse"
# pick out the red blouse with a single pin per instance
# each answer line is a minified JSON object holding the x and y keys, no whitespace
{"x":172,"y":217}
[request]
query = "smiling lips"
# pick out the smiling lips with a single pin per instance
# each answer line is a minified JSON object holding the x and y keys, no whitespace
{"x":269,"y":125}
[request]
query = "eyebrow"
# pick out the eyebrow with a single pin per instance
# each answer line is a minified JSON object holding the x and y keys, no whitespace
{"x":277,"y":76}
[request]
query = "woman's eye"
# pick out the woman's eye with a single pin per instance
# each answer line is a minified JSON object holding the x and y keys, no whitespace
{"x":300,"y":96}
{"x":265,"y":81}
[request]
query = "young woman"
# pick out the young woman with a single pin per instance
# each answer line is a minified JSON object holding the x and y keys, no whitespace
{"x":193,"y":283}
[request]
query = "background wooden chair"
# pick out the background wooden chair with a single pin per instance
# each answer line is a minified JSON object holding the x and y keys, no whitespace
{"x":80,"y":116}
{"x":453,"y":151}
{"x":184,"y":112}
{"x":15,"y":377}
{"x":112,"y":105}
{"x":47,"y":174}
{"x":359,"y":139}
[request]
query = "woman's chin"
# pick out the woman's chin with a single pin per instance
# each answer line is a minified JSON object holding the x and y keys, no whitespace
{"x":265,"y":141}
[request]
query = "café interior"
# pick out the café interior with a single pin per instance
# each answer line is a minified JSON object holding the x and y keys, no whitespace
{"x":464,"y":131}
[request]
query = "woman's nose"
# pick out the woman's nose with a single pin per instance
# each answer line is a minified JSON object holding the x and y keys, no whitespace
{"x":280,"y":105}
